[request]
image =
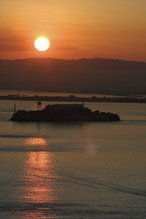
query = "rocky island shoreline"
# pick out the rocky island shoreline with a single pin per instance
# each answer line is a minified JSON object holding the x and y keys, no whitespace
{"x":64,"y":113}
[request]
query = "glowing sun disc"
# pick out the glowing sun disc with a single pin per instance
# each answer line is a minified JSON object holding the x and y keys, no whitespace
{"x":42,"y":44}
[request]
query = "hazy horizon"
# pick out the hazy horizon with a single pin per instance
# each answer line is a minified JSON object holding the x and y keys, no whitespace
{"x":103,"y":76}
{"x":73,"y":59}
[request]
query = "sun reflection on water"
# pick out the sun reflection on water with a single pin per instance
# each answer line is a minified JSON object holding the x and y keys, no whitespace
{"x":40,"y":177}
{"x":35,"y":141}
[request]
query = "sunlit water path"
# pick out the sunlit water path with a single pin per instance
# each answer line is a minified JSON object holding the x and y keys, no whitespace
{"x":78,"y":170}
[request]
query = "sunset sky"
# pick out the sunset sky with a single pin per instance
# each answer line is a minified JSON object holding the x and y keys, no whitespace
{"x":76,"y":29}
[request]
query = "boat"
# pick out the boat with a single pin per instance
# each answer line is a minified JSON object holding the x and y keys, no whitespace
{"x":63,"y":113}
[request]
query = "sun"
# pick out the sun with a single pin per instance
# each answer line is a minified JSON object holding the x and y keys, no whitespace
{"x":42,"y":44}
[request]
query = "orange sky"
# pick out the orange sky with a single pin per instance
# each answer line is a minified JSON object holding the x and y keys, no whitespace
{"x":76,"y":29}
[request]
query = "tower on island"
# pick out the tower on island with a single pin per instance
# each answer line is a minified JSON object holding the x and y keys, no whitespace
{"x":39,"y":105}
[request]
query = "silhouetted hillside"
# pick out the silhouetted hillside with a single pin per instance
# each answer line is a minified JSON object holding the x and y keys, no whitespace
{"x":84,"y":75}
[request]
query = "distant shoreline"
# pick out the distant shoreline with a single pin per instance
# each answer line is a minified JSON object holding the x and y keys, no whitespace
{"x":93,"y":76}
{"x":73,"y":98}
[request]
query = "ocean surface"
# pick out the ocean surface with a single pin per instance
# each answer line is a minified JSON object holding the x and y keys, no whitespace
{"x":76,"y":170}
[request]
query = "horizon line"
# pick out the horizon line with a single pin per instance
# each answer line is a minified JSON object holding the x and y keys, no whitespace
{"x":73,"y":59}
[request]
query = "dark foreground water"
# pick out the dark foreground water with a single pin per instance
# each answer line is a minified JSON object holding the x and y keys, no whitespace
{"x":78,"y":170}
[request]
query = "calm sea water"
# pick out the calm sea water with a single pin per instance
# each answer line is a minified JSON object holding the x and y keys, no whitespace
{"x":78,"y":170}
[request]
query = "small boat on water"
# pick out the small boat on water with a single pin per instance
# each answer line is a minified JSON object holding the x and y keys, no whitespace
{"x":64,"y":113}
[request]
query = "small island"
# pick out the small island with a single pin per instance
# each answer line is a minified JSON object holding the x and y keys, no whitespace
{"x":64,"y":113}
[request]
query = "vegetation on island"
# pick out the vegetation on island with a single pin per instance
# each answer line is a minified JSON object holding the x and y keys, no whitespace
{"x":64,"y":113}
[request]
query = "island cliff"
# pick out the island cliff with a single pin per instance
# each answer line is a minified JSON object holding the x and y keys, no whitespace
{"x":64,"y":113}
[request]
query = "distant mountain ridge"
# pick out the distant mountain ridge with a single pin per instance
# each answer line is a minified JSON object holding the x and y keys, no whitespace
{"x":105,"y":76}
